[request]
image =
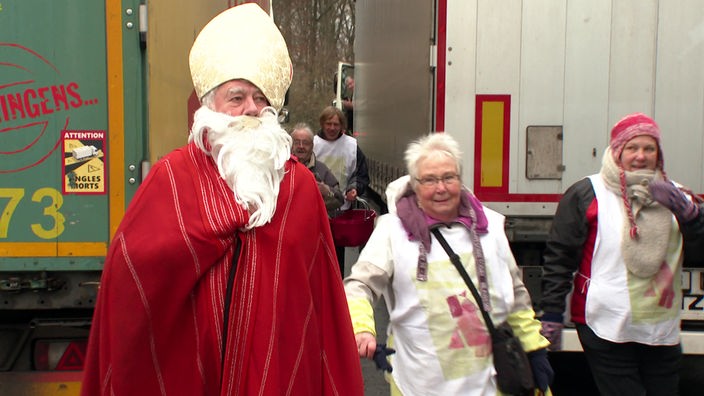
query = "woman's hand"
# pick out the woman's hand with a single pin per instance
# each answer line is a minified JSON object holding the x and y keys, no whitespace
{"x":351,"y":195}
{"x":672,"y":198}
{"x":368,"y":348}
{"x":366,"y":344}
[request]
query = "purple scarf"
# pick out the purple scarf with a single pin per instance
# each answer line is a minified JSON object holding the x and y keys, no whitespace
{"x":418,"y":225}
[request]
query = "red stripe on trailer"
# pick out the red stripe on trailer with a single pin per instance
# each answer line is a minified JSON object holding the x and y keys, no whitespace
{"x":440,"y":67}
{"x":525,"y":198}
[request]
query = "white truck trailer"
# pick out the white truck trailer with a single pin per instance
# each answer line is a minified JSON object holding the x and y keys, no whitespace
{"x":531,"y":89}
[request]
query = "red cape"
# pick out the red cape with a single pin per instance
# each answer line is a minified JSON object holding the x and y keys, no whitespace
{"x":158,"y":322}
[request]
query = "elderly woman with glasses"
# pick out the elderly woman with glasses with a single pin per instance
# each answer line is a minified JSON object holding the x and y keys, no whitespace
{"x":441,"y":343}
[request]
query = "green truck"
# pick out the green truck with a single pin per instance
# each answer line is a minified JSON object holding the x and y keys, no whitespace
{"x":89,"y":97}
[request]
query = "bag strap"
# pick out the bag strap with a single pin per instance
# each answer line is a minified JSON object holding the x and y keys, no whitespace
{"x":463,"y":273}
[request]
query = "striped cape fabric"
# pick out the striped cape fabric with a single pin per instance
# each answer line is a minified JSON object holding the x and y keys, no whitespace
{"x":158,"y":323}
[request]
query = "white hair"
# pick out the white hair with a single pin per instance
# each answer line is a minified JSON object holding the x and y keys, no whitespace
{"x":250,"y":153}
{"x":435,"y":144}
{"x":302,"y":126}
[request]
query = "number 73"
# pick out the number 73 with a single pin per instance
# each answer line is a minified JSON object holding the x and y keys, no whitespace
{"x":51,"y":210}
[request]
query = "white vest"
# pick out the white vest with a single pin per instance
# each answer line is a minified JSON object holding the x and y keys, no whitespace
{"x":620,"y":306}
{"x":340,"y":156}
{"x":437,"y":321}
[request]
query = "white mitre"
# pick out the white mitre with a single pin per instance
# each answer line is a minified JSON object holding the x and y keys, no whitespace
{"x":242,"y":42}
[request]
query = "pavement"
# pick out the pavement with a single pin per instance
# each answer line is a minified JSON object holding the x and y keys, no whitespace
{"x":374,"y":382}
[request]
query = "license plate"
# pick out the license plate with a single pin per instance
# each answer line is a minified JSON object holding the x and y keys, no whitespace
{"x":693,"y":294}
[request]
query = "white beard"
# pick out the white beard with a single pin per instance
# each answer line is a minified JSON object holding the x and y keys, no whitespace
{"x":250,"y":153}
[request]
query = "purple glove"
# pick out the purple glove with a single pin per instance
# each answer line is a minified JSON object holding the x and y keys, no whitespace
{"x":551,"y":328}
{"x":669,"y":196}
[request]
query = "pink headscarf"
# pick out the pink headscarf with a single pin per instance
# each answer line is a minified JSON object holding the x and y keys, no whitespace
{"x":629,"y":127}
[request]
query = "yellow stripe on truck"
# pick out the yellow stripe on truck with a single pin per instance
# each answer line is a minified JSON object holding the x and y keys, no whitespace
{"x":116,"y":112}
{"x":41,"y":383}
{"x":53,"y":249}
{"x":48,"y":389}
{"x":492,"y":144}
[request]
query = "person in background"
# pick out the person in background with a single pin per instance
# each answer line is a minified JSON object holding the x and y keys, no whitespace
{"x":348,"y":103}
{"x":435,"y":326}
{"x":619,"y":239}
{"x":209,"y":285}
{"x":302,"y":148}
{"x":341,"y":154}
{"x":344,"y":158}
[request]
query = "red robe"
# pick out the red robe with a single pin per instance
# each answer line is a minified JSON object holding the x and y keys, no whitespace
{"x":158,"y":322}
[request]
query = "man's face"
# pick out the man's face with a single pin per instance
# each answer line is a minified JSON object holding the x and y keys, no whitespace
{"x":239,"y":97}
{"x":332,"y":127}
{"x":302,"y":145}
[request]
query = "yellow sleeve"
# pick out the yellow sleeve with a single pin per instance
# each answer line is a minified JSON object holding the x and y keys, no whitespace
{"x":363,"y":288}
{"x":527,"y":328}
{"x":362,"y":315}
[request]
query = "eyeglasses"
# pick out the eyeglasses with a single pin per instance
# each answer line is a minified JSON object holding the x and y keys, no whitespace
{"x":431,"y":181}
{"x":302,"y":142}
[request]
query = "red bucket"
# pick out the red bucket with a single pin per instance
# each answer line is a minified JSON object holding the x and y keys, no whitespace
{"x":353,"y":227}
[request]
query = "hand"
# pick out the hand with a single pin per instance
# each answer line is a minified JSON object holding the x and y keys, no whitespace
{"x":380,"y":355}
{"x":351,"y":195}
{"x":366,"y":344}
{"x":669,"y":196}
{"x":551,"y":328}
{"x":324,"y":190}
{"x":542,"y":371}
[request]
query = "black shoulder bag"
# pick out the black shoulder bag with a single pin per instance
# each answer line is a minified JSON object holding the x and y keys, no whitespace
{"x":513,"y":373}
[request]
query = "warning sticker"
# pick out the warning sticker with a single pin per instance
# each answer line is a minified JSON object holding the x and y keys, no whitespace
{"x":84,"y":162}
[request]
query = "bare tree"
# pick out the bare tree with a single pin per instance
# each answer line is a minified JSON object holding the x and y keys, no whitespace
{"x":319,"y":34}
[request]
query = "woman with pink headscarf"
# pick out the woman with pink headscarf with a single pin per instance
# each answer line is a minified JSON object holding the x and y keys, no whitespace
{"x":619,"y":240}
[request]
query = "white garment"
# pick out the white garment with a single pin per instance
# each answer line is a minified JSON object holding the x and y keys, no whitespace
{"x":451,"y":356}
{"x":340,"y":156}
{"x":620,"y":306}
